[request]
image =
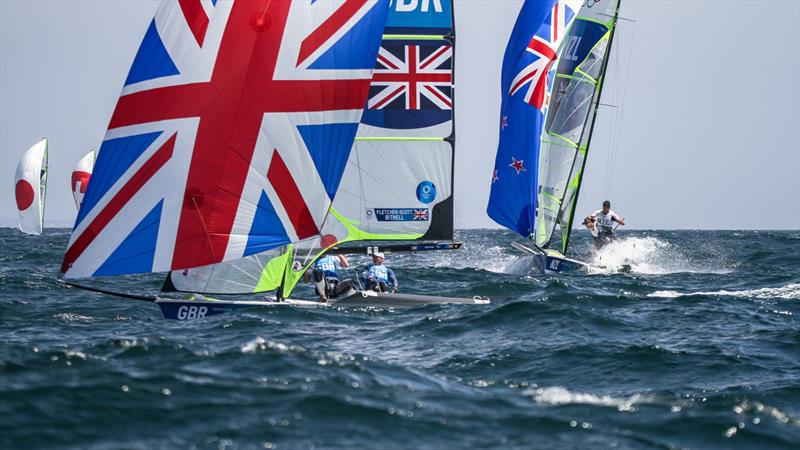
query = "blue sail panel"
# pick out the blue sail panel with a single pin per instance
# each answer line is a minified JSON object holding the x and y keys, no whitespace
{"x":113,"y":159}
{"x":267,"y":231}
{"x":152,"y":60}
{"x":365,"y":34}
{"x":329,"y":146}
{"x":137,"y":250}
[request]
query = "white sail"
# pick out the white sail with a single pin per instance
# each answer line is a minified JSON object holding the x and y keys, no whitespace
{"x":30,"y":184}
{"x":390,"y":191}
{"x":255,"y":273}
{"x":80,"y":177}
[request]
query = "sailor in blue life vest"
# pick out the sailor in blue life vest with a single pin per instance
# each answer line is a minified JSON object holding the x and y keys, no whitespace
{"x":325,"y":276}
{"x":378,"y":277}
{"x":601,"y":224}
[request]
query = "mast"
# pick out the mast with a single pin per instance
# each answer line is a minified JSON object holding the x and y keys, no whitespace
{"x":601,"y":80}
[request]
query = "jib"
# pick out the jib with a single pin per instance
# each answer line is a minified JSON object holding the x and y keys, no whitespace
{"x":191,"y":312}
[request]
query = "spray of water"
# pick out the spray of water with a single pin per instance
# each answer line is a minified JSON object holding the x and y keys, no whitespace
{"x":649,"y":255}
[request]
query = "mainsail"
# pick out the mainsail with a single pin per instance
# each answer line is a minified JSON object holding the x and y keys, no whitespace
{"x":398,"y":180}
{"x":532,"y":50}
{"x":30,"y":186}
{"x":230,"y":136}
{"x":80,"y":177}
{"x":570,"y":121}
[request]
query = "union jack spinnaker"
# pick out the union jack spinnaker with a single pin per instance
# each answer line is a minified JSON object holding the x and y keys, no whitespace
{"x":230,"y":136}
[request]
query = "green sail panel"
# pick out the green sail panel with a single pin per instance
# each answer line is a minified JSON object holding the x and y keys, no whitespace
{"x":256,"y":273}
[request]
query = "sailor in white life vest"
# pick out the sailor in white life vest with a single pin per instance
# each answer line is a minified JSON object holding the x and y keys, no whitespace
{"x":601,"y":224}
{"x":378,"y":277}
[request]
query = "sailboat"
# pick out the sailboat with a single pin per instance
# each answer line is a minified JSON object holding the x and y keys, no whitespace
{"x":229,"y":147}
{"x":396,"y":192}
{"x":547,"y":123}
{"x":80,"y":177}
{"x":30,"y":187}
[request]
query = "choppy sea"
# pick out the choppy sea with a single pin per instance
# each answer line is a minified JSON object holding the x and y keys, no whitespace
{"x":697,"y":347}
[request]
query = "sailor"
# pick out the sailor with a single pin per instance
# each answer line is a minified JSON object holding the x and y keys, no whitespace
{"x":325,"y":276}
{"x":378,"y":277}
{"x":601,"y":224}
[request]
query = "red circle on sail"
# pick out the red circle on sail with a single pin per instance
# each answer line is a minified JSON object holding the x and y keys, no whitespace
{"x":328,"y":240}
{"x":24,"y":193}
{"x":260,"y":22}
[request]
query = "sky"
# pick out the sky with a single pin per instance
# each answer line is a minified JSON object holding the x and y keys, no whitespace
{"x":702,"y":130}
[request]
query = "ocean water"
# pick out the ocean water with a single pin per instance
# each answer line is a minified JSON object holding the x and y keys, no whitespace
{"x":698,"y":347}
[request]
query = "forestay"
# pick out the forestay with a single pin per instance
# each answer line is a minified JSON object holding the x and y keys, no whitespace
{"x":80,"y":177}
{"x":231,"y":134}
{"x":30,"y":187}
{"x":570,"y":118}
{"x":398,"y":179}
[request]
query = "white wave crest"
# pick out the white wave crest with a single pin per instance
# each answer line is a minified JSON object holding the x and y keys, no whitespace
{"x":649,"y":255}
{"x":560,"y":396}
{"x":259,"y":344}
{"x":72,"y":317}
{"x":756,"y":407}
{"x":790,"y":291}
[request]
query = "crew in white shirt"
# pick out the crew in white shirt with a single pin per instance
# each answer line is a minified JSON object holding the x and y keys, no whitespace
{"x":601,"y":224}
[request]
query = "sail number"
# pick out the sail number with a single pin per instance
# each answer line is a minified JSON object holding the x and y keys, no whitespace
{"x":192,"y":312}
{"x":554,"y":264}
{"x":572,"y":48}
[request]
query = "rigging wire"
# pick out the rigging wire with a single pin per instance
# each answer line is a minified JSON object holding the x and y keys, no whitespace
{"x":627,"y":148}
{"x":619,"y":139}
